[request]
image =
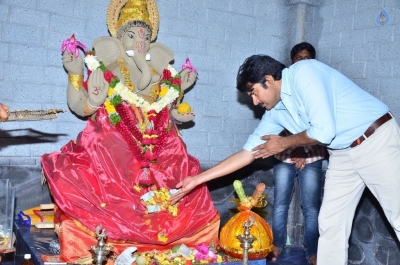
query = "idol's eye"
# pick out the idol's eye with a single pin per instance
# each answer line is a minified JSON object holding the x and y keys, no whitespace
{"x":131,"y":35}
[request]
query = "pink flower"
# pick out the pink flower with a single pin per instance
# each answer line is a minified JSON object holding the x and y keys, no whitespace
{"x":146,"y":141}
{"x":144,"y":164}
{"x":72,"y":45}
{"x":189,"y":66}
{"x":202,"y":252}
{"x":150,"y":156}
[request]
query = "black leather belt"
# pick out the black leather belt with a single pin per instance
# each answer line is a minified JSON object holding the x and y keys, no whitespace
{"x":371,"y":129}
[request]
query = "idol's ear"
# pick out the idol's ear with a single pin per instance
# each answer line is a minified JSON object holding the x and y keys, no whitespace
{"x":108,"y":50}
{"x":161,"y":56}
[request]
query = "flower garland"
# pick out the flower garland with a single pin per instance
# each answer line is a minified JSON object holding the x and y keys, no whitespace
{"x":145,"y":142}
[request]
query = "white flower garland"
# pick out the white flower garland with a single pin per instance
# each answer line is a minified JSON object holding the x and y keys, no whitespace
{"x":132,"y":98}
{"x":139,"y":102}
{"x":91,"y":62}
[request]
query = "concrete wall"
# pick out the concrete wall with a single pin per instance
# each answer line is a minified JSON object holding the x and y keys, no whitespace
{"x":348,"y":38}
{"x":216,"y":35}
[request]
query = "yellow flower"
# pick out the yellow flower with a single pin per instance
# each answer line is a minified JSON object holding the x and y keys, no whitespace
{"x":173,"y":210}
{"x":162,"y":238}
{"x":109,"y":107}
{"x":163,"y":91}
{"x":184,"y":108}
{"x":164,"y":196}
{"x":137,"y":188}
{"x":111,"y":91}
{"x":178,"y":260}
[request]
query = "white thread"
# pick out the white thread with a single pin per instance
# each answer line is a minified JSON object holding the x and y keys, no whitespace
{"x":91,"y":106}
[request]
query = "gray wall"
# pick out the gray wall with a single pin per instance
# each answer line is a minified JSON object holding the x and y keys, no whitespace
{"x":348,"y":39}
{"x":216,"y":35}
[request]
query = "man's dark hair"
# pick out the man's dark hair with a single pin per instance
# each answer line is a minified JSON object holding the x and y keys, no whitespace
{"x":255,"y":68}
{"x":302,"y":46}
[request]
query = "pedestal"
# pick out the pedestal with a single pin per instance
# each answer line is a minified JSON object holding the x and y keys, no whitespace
{"x":36,"y":241}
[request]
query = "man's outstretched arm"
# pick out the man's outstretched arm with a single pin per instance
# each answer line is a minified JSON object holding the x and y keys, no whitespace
{"x":275,"y":144}
{"x":229,"y":165}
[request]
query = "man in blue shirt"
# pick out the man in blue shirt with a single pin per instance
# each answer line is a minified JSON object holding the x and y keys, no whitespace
{"x":321,"y":106}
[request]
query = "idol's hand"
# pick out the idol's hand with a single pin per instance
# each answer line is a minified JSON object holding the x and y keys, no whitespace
{"x":73,"y":65}
{"x":187,"y":78}
{"x":184,"y":117}
{"x":272,"y":146}
{"x":97,"y":88}
{"x":185,"y":187}
{"x":3,"y":112}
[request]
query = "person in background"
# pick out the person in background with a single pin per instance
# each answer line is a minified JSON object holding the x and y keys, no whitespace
{"x":320,"y":105}
{"x":306,"y":163}
{"x":3,"y":112}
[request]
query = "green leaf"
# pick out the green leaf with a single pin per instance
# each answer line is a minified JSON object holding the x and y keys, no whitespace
{"x":102,"y":66}
{"x":114,"y":81}
{"x":115,"y":118}
{"x":116,"y":100}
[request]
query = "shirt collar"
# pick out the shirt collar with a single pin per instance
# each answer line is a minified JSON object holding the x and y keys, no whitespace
{"x":285,"y":90}
{"x":287,"y":99}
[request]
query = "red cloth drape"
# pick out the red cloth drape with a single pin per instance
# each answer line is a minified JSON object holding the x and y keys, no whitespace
{"x":92,"y":180}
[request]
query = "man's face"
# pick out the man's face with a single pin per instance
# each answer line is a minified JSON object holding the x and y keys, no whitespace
{"x":266,"y":97}
{"x":301,"y":55}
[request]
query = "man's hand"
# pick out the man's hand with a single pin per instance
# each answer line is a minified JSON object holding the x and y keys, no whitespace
{"x":3,"y":112}
{"x":185,"y":187}
{"x":276,"y":144}
{"x":298,"y":157}
{"x":229,"y":165}
{"x":271,"y":147}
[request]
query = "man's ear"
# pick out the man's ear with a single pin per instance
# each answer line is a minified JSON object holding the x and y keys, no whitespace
{"x":269,"y":80}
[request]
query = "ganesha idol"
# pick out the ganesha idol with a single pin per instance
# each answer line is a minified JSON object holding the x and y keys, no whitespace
{"x":124,"y":165}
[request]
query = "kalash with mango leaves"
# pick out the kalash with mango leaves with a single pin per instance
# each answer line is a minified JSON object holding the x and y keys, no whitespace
{"x":228,"y":238}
